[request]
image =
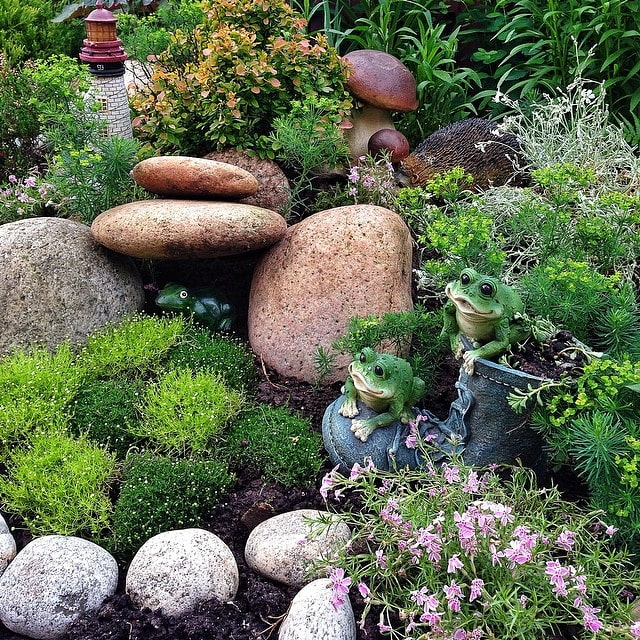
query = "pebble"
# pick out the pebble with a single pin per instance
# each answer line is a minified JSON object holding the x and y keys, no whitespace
{"x":312,"y":616}
{"x":176,"y":570}
{"x":52,"y":582}
{"x":7,"y":546}
{"x":283,"y":547}
{"x":186,"y":229}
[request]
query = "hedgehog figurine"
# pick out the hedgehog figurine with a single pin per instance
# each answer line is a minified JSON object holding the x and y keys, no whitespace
{"x":492,"y":157}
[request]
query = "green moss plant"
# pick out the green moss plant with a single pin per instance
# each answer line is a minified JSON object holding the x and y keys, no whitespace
{"x":159,"y":494}
{"x":225,"y":355}
{"x":278,"y":443}
{"x":107,"y":412}
{"x":134,"y":346}
{"x":185,"y":412}
{"x":59,"y":485}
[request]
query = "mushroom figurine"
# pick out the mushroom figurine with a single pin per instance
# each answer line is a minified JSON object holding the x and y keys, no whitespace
{"x":390,"y":140}
{"x":383,"y":85}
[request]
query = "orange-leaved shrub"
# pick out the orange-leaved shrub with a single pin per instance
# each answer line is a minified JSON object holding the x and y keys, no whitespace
{"x":222,"y":84}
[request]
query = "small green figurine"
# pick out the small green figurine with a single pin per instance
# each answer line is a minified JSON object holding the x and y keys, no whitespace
{"x":206,"y":306}
{"x":386,"y":384}
{"x":489,"y":313}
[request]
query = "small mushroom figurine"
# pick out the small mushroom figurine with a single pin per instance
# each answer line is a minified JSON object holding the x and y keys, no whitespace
{"x":383,"y":85}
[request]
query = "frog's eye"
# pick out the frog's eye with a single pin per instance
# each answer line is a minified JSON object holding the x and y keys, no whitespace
{"x":363,"y":357}
{"x":487,"y":289}
{"x":379,"y":371}
{"x":465,"y":278}
{"x":183,"y":294}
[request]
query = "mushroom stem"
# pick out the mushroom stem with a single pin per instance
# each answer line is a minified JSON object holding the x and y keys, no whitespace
{"x":366,"y":121}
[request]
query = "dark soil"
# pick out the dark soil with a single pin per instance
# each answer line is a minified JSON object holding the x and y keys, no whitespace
{"x":260,"y":603}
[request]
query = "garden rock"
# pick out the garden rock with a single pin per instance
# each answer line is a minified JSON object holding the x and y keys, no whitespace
{"x":186,"y":229}
{"x":52,"y":582}
{"x":283,"y":547}
{"x":335,"y":264}
{"x":7,"y":546}
{"x":58,"y":284}
{"x":312,"y":615}
{"x":273,"y":187}
{"x":176,"y":570}
{"x":185,"y":177}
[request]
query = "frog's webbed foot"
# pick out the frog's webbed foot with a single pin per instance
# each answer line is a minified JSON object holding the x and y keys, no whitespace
{"x":349,"y":408}
{"x":362,"y":429}
{"x":468,"y":361}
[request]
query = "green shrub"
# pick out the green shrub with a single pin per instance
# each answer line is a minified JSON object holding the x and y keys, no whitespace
{"x":414,"y":332}
{"x":281,"y":445}
{"x":36,"y":99}
{"x":36,"y":386}
{"x":26,"y":32}
{"x":160,"y":494}
{"x":592,"y":426}
{"x":184,"y":411}
{"x":223,"y":84}
{"x":134,"y":346}
{"x":589,"y":304}
{"x":59,"y":484}
{"x":224,"y":355}
{"x":106,"y":411}
{"x":91,"y":176}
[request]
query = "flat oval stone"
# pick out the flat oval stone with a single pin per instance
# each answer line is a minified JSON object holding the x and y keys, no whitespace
{"x":186,"y":229}
{"x":7,"y":545}
{"x":186,"y":177}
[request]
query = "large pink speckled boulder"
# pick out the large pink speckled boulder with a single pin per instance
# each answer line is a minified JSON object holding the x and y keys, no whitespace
{"x":186,"y":229}
{"x":335,"y":264}
{"x":186,"y":177}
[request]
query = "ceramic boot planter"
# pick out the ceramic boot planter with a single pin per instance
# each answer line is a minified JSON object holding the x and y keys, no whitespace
{"x":481,"y":425}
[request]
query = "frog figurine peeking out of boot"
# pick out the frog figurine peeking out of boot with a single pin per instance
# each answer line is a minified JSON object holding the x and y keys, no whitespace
{"x":487,"y":312}
{"x":386,"y":384}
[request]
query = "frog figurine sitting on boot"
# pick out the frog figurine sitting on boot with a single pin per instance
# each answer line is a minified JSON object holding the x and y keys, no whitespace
{"x":386,"y":384}
{"x":487,"y":312}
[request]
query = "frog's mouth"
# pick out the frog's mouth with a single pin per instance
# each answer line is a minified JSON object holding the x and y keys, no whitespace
{"x":469,"y":310}
{"x":365,"y":390}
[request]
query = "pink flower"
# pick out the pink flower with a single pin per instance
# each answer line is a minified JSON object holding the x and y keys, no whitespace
{"x":452,"y":590}
{"x":459,"y":634}
{"x":454,"y":563}
{"x":590,"y":620}
{"x":610,"y":530}
{"x":328,"y":480}
{"x":635,"y":630}
{"x":566,"y":540}
{"x":340,"y":586}
{"x":476,"y":589}
{"x":381,"y":559}
{"x":454,"y":605}
{"x":557,"y":574}
{"x":451,"y":474}
{"x":517,"y":553}
{"x":384,"y":628}
{"x":363,"y":589}
{"x":472,"y":484}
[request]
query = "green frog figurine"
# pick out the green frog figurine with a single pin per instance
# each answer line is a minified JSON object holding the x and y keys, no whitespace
{"x":489,"y":313}
{"x":205,"y":305}
{"x":386,"y":384}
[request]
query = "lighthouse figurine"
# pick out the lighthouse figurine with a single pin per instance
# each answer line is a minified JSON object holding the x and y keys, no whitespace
{"x":105,"y":55}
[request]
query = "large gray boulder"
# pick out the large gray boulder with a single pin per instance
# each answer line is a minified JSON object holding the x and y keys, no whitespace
{"x":58,"y":284}
{"x":52,"y":582}
{"x":335,"y":264}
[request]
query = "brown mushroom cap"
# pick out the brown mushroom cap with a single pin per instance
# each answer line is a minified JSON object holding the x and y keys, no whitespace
{"x":381,"y":80}
{"x":390,"y":140}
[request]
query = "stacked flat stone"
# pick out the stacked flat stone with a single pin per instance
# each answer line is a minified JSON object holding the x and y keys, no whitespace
{"x":197,"y":216}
